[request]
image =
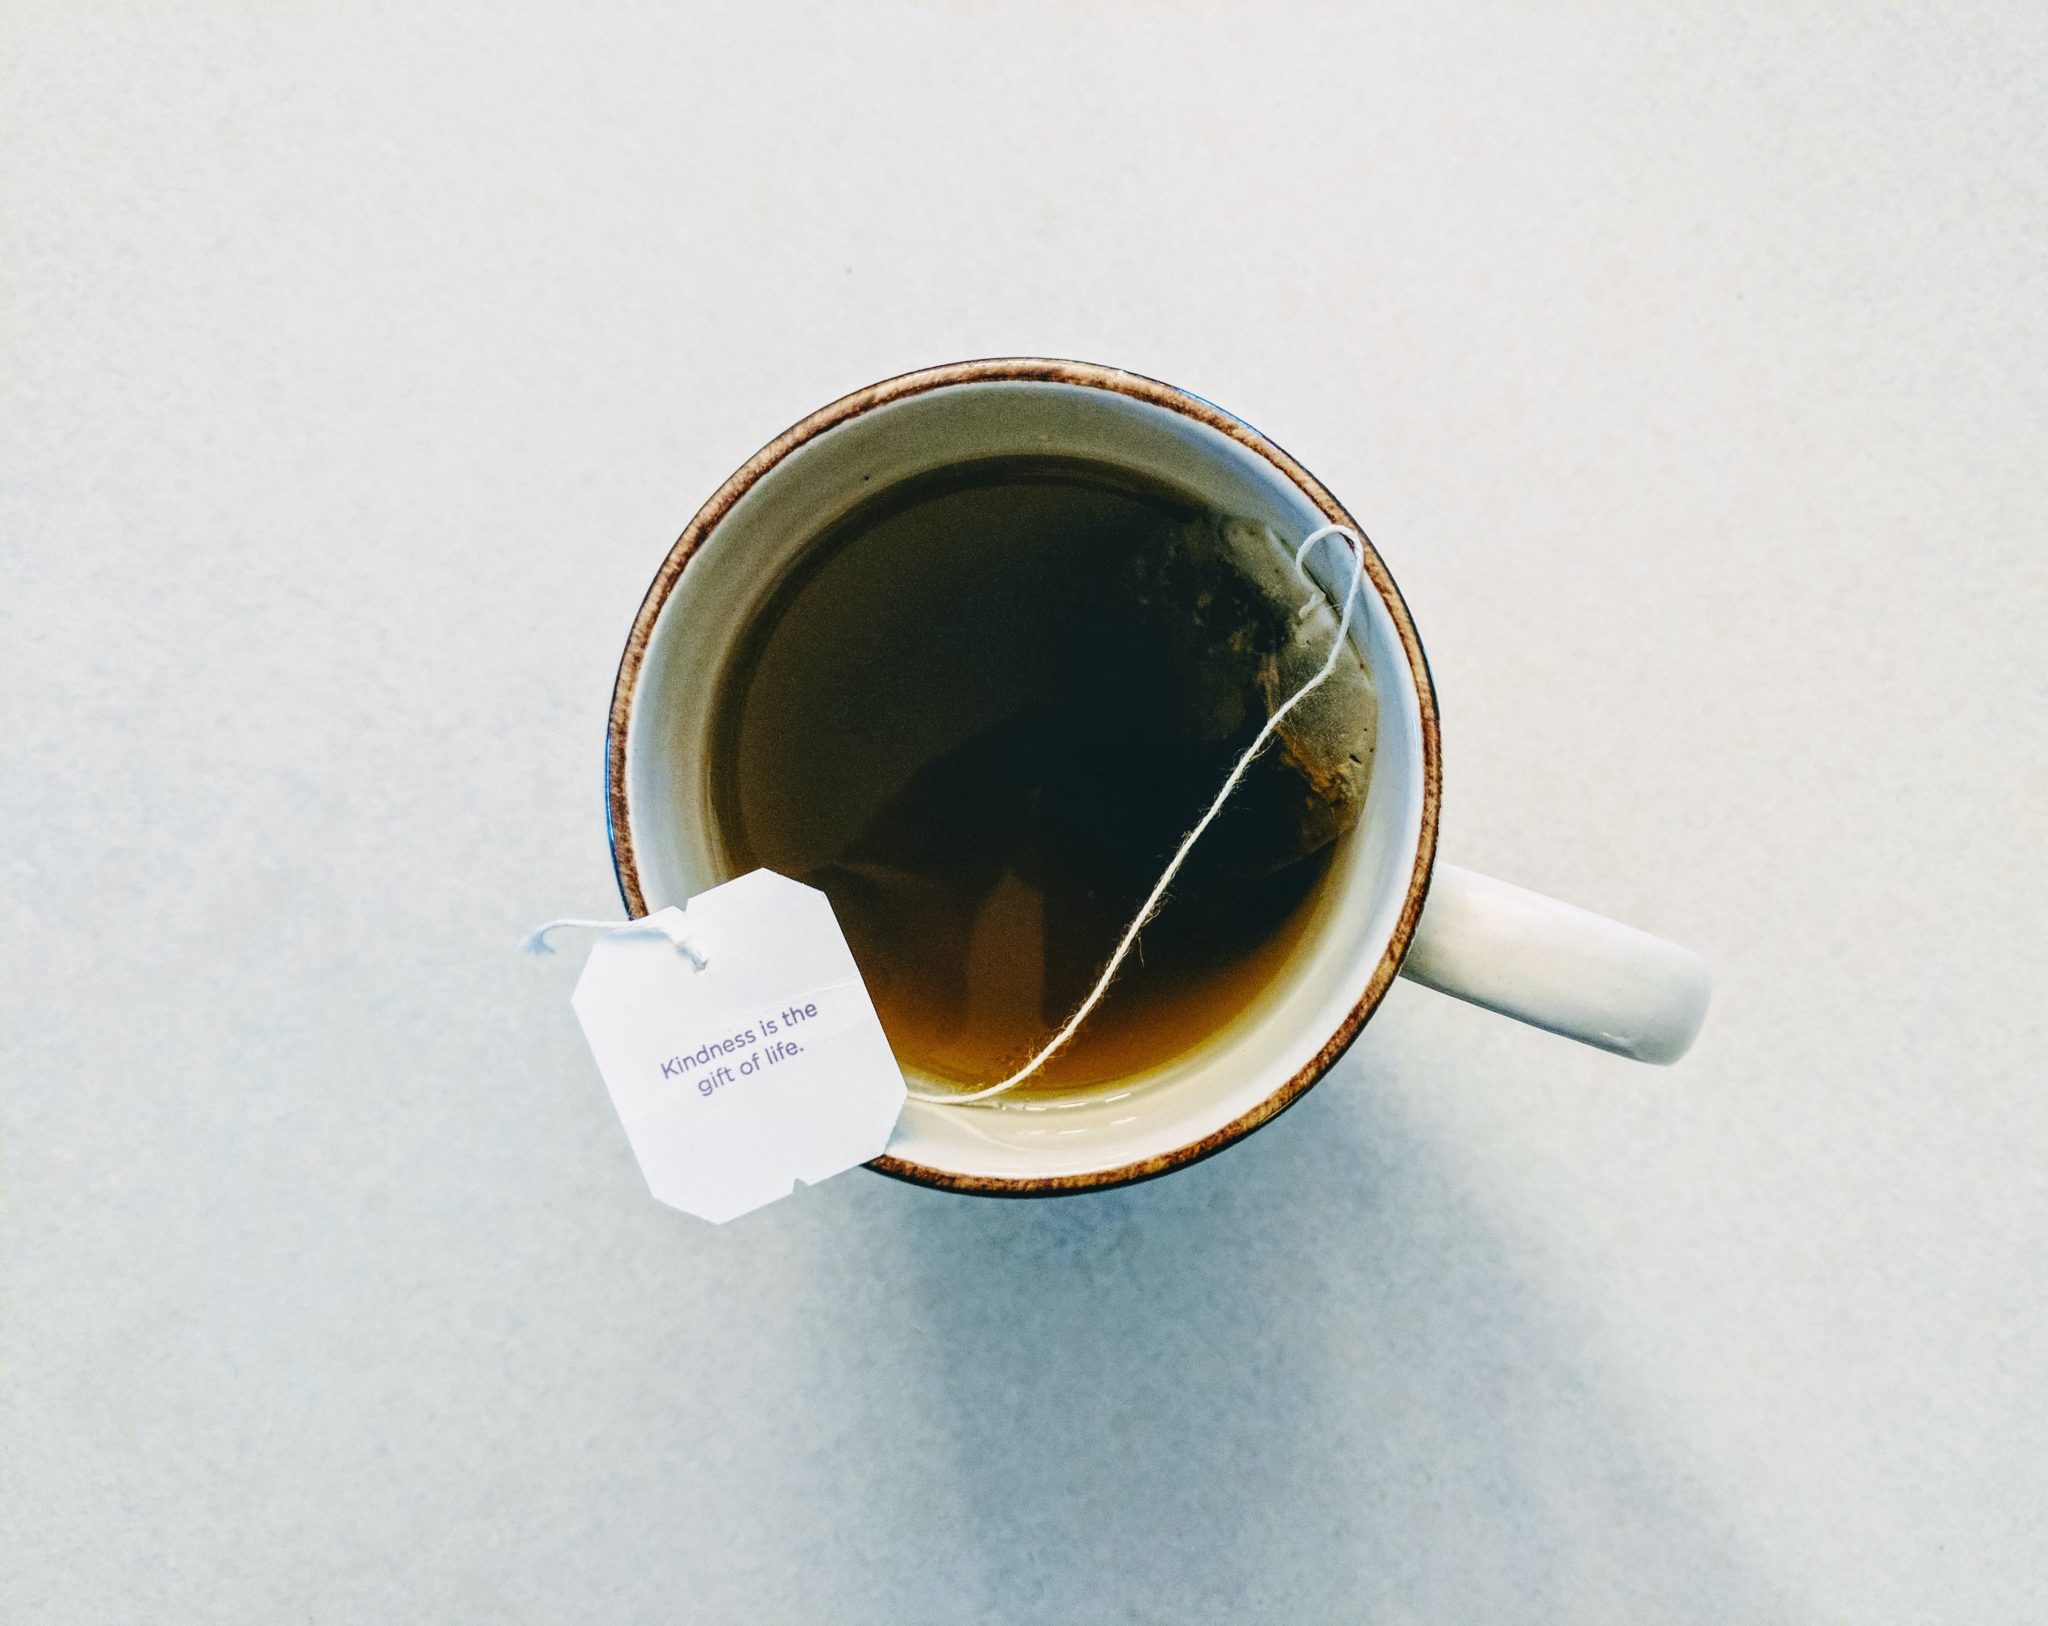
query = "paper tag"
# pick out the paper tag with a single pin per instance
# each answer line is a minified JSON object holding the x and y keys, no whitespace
{"x":765,"y":1066}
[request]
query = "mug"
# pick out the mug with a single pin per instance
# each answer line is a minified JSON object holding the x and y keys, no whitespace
{"x":1389,"y":908}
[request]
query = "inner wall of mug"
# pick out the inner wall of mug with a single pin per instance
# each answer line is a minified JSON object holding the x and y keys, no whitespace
{"x":732,"y":578}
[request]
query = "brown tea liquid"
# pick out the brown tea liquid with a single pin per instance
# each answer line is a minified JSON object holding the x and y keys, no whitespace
{"x":945,"y":722}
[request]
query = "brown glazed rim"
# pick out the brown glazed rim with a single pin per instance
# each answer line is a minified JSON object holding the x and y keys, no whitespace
{"x":1089,"y":376}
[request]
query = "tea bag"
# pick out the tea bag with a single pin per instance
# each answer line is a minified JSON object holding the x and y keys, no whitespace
{"x":1209,"y":628}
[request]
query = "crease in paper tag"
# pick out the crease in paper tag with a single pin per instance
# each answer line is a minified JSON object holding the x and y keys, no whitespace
{"x":763,"y":1067}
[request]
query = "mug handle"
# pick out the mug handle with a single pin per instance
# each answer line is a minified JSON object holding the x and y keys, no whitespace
{"x":1558,"y":967}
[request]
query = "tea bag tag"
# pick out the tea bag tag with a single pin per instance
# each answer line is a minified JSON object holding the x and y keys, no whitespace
{"x":739,"y":1045}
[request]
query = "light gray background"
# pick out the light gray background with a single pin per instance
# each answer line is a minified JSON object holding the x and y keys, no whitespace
{"x":361,"y":362}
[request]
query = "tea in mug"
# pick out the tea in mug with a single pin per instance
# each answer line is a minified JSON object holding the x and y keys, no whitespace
{"x":983,"y":711}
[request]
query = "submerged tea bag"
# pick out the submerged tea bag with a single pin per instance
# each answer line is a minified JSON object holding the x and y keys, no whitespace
{"x":1209,"y":631}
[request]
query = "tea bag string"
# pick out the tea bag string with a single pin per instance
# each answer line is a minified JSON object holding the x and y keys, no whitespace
{"x":1157,"y":896}
{"x":536,"y":941}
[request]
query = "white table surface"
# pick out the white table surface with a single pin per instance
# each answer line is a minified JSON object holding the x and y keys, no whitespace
{"x":360,"y":364}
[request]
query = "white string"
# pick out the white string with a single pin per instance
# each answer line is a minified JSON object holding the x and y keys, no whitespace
{"x":1157,"y":896}
{"x":536,"y":941}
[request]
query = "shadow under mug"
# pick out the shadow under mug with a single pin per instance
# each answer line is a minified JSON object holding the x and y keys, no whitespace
{"x":1512,"y":951}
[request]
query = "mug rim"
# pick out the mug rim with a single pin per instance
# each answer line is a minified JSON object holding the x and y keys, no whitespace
{"x":1136,"y":386}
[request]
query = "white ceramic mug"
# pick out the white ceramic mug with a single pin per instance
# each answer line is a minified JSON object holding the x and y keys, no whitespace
{"x":1482,"y":940}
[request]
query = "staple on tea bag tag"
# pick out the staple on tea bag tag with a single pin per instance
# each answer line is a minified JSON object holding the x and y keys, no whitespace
{"x":739,"y":1044}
